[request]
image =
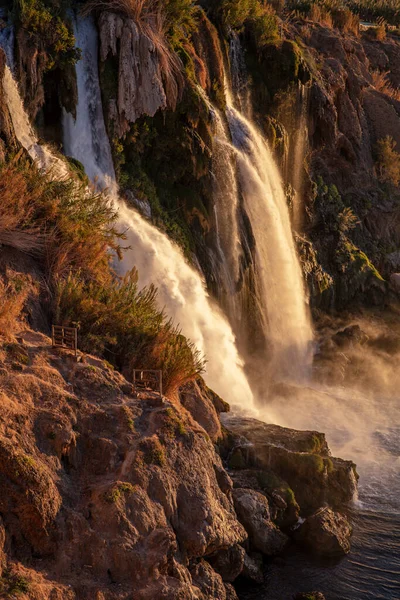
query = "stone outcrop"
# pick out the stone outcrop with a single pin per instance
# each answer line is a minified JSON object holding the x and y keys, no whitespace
{"x":106,"y":493}
{"x":326,"y":533}
{"x":199,"y":401}
{"x":253,"y":512}
{"x":300,"y":458}
{"x":140,"y":89}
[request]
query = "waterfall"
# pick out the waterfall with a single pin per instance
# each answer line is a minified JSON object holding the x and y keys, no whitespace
{"x":283,"y":300}
{"x":279,"y":288}
{"x":85,"y":138}
{"x":239,"y":77}
{"x":299,"y":152}
{"x":7,"y":41}
{"x":23,"y":129}
{"x":159,"y":261}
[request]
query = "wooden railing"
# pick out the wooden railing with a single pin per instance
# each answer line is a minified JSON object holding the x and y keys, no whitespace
{"x":148,"y":379}
{"x":65,"y":337}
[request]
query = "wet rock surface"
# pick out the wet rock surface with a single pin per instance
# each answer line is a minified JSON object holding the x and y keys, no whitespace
{"x":300,"y":458}
{"x":326,"y":533}
{"x":253,"y":512}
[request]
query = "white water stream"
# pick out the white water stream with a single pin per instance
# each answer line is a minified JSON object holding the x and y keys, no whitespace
{"x":159,"y":261}
{"x":280,"y":292}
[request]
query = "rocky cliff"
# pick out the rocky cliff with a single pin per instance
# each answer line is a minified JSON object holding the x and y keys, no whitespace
{"x":337,"y":85}
{"x":108,"y":492}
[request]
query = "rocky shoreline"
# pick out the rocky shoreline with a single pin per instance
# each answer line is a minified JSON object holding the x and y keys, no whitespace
{"x":109,"y":493}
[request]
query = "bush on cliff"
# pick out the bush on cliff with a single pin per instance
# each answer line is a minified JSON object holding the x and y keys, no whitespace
{"x":259,"y":19}
{"x":124,"y":324}
{"x":59,"y":222}
{"x":388,"y":162}
{"x":70,"y":232}
{"x":45,"y":22}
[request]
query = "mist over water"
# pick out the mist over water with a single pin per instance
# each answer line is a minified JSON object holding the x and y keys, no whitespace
{"x":354,"y":397}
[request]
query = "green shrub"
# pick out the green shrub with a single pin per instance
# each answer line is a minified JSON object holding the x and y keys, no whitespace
{"x":45,"y":22}
{"x":124,"y":323}
{"x":153,"y":452}
{"x":12,"y":584}
{"x":388,"y":161}
{"x":117,"y":490}
{"x":257,"y":16}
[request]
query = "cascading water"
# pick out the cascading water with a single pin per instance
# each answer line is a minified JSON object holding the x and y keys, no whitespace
{"x":22,"y":127}
{"x":281,"y":288}
{"x":279,"y":284}
{"x":85,"y":138}
{"x":239,"y":77}
{"x":159,"y":261}
{"x":298,"y":153}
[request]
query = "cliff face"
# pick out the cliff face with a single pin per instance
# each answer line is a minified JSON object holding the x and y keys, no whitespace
{"x":107,"y":492}
{"x":140,"y":90}
{"x":354,"y":105}
{"x":104,"y":494}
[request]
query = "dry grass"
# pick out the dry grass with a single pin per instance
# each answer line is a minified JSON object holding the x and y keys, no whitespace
{"x":14,"y":291}
{"x":381,"y":82}
{"x":388,"y":162}
{"x":151,"y":18}
{"x":321,"y":15}
{"x":58,"y":222}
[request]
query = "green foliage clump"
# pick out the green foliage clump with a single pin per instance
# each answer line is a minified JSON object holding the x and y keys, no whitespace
{"x":172,"y":426}
{"x":353,"y":273}
{"x":153,"y":452}
{"x":332,"y":215}
{"x":129,"y":418}
{"x":124,"y":323}
{"x":257,"y":16}
{"x":12,"y":584}
{"x":45,"y":22}
{"x":118,"y":490}
{"x":388,"y":161}
{"x":144,"y":167}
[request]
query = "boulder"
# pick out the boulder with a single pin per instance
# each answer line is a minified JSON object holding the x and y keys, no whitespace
{"x":197,"y":399}
{"x":228,"y":562}
{"x":325,"y":532}
{"x":253,"y":567}
{"x":209,"y":582}
{"x":252,"y":509}
{"x":300,"y":458}
{"x":284,"y":509}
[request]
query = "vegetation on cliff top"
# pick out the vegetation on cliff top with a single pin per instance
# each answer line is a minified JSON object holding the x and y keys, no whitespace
{"x":46,"y":24}
{"x":71,"y":234}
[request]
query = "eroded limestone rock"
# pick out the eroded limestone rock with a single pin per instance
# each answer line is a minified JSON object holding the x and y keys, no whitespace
{"x":140,"y":78}
{"x":326,"y":532}
{"x":253,"y":512}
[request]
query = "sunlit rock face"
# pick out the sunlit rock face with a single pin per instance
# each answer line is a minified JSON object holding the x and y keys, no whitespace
{"x":140,"y":83}
{"x":300,"y":460}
